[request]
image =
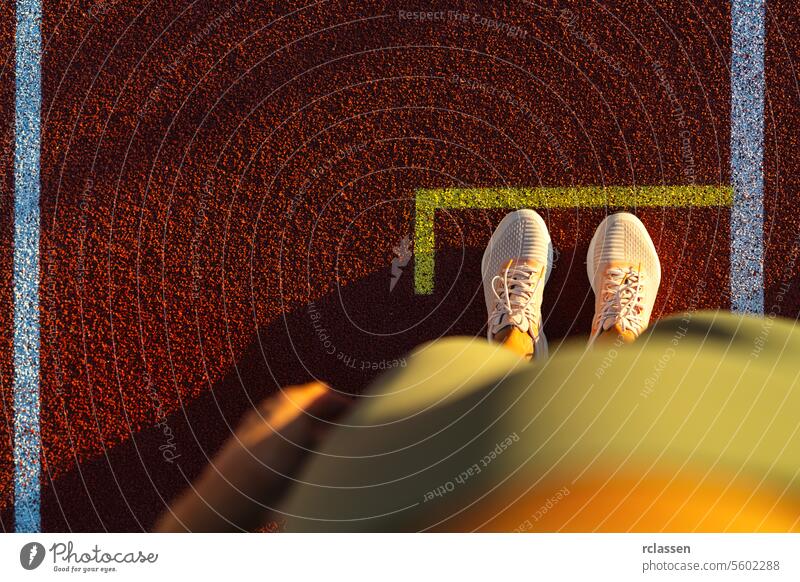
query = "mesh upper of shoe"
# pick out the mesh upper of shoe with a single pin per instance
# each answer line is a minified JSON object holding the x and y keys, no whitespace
{"x":521,"y":237}
{"x":622,"y":242}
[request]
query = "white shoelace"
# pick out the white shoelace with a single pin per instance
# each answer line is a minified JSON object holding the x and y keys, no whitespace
{"x":622,"y":301}
{"x":514,"y":292}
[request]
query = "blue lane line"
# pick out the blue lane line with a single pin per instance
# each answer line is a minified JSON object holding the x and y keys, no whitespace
{"x":28,"y":106}
{"x":747,"y":156}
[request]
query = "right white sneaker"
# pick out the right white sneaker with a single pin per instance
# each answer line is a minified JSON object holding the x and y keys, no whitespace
{"x":625,"y":273}
{"x":515,"y":268}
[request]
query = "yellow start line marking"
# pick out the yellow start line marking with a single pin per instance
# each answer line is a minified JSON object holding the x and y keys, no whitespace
{"x":428,"y":201}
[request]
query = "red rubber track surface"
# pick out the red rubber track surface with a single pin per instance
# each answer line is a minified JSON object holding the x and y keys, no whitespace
{"x":210,"y":168}
{"x":6,"y":242}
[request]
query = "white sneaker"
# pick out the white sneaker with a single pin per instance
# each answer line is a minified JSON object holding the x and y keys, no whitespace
{"x":625,"y":273}
{"x":515,"y":268}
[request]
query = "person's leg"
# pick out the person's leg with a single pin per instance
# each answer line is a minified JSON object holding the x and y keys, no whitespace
{"x":692,"y":427}
{"x":253,"y":469}
{"x":515,"y":340}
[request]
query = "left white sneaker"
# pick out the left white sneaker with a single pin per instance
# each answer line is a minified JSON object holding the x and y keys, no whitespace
{"x":515,"y":267}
